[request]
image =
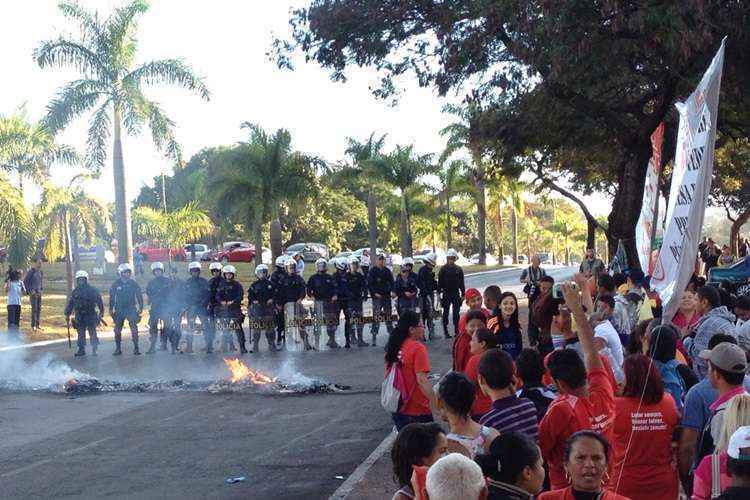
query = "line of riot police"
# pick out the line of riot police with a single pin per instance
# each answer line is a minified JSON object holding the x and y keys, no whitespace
{"x":274,"y":302}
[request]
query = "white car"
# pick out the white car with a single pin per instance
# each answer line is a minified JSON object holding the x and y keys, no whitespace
{"x":201,"y":250}
{"x":489,"y":258}
{"x":507,"y":260}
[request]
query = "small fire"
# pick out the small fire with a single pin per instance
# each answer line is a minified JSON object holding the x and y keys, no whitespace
{"x":242,"y":373}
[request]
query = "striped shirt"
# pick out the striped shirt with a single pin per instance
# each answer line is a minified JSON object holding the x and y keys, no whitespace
{"x":513,"y":414}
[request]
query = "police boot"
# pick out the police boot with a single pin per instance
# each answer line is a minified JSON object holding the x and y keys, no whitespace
{"x":360,"y":341}
{"x":431,"y":333}
{"x":256,"y":341}
{"x":271,"y":339}
{"x":332,"y":341}
{"x":374,"y":340}
{"x":118,"y":351}
{"x":151,"y":347}
{"x":189,"y":341}
{"x":80,"y":352}
{"x":308,"y":347}
{"x":347,"y":345}
{"x":94,"y":347}
{"x":241,"y":341}
{"x":136,"y":351}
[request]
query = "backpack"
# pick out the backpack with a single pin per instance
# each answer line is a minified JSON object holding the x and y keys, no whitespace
{"x":391,"y":389}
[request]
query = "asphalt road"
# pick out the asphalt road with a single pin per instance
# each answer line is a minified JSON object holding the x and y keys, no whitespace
{"x":185,"y":444}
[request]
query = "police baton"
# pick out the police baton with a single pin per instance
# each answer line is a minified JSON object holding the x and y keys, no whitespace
{"x":67,"y":323}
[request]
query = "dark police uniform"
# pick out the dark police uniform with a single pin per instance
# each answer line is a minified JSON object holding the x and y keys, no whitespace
{"x":262,"y":314}
{"x":276,"y":275}
{"x":451,"y":286}
{"x":158,"y":289}
{"x":380,"y":282}
{"x":231,"y":293}
{"x":357,"y":287}
{"x":322,"y":288}
{"x":401,"y":286}
{"x":427,"y":287}
{"x":86,"y":302}
{"x":290,"y":289}
{"x":125,"y":303}
{"x":343,"y":295}
{"x":197,"y":300}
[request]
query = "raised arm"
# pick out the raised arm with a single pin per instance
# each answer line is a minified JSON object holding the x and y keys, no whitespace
{"x":585,"y":332}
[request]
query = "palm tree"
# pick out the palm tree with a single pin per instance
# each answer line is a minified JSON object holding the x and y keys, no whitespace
{"x":61,"y":211}
{"x":363,"y":153}
{"x":16,"y":223}
{"x":402,"y":169}
{"x":174,"y":229}
{"x":458,"y":135}
{"x":28,"y":149}
{"x":508,"y":192}
{"x":255,"y":178}
{"x":111,"y":86}
{"x":451,"y":184}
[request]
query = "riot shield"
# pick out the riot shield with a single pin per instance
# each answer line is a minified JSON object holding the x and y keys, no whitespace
{"x":294,"y":317}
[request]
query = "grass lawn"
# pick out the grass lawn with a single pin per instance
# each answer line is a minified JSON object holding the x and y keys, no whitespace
{"x":55,"y":294}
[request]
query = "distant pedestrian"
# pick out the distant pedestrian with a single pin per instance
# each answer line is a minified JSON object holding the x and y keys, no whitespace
{"x":34,"y":284}
{"x":15,"y":290}
{"x":592,"y":266}
{"x":530,"y":277}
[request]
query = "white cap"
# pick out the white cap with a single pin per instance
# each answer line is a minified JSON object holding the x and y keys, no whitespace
{"x":261,"y":270}
{"x":280,"y":260}
{"x":214,"y":266}
{"x":157,"y":265}
{"x":739,"y":443}
{"x":82,"y":274}
{"x":408,"y":261}
{"x":228,"y":269}
{"x":451,"y":253}
{"x":126,"y":266}
{"x":194,"y":265}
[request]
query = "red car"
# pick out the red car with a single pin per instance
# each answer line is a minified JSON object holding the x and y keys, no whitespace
{"x":235,"y":251}
{"x":152,"y":252}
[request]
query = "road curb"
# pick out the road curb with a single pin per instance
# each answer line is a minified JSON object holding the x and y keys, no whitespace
{"x":359,"y":473}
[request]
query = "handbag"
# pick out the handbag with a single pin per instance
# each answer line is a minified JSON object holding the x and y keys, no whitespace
{"x":390,"y":389}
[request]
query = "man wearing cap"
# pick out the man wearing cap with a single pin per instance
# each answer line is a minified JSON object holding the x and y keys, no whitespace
{"x":738,"y":465}
{"x":715,"y":318}
{"x":452,"y":290}
{"x":380,"y":284}
{"x":86,"y":302}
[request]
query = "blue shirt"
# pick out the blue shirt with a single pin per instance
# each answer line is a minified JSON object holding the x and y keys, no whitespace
{"x":698,"y":404}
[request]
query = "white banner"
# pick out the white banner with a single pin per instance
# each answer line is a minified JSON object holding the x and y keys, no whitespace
{"x":644,"y":230}
{"x":691,"y":183}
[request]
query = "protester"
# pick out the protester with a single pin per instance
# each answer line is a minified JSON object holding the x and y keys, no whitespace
{"x":607,"y":342}
{"x":736,"y":415}
{"x":715,"y":318}
{"x":481,"y":341}
{"x":619,"y":317}
{"x":34,"y":284}
{"x":404,"y":347}
{"x":455,"y":477}
{"x":645,"y":419}
{"x":586,"y":459}
{"x":530,"y":369}
{"x":605,"y":304}
{"x":416,"y":444}
{"x":726,"y":258}
{"x":474,"y":302}
{"x":710,"y":255}
{"x":15,"y":289}
{"x":530,"y":277}
{"x":742,"y":328}
{"x":738,"y":465}
{"x":687,"y":316}
{"x":586,"y":399}
{"x":591,"y":265}
{"x":509,"y":412}
{"x":455,"y":402}
{"x":506,"y":326}
{"x":514,"y":468}
{"x":677,"y":378}
{"x":491,"y":296}
{"x":544,"y":308}
{"x":474,"y":320}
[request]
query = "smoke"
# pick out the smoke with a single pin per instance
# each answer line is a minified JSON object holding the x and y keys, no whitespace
{"x":288,"y":374}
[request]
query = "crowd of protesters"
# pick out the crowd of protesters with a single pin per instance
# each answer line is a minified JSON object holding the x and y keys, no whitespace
{"x":600,"y":398}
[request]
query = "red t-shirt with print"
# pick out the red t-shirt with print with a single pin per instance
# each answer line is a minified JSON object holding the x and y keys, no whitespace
{"x":482,"y":403}
{"x":414,"y":359}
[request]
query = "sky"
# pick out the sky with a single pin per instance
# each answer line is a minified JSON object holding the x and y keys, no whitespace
{"x":225,"y":41}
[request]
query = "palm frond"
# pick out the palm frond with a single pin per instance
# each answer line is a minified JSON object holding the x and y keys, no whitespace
{"x":64,"y":53}
{"x":70,"y":102}
{"x":98,"y":137}
{"x":168,"y":72}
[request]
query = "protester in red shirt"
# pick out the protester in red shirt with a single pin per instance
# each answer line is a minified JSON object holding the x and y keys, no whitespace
{"x":405,"y":347}
{"x":481,"y":342}
{"x":461,"y":353}
{"x":645,"y":419}
{"x":586,"y":461}
{"x":586,"y":395}
{"x":474,"y":301}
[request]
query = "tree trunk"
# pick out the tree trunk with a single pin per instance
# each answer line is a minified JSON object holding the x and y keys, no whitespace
{"x":274,"y":234}
{"x":74,"y":243}
{"x":590,"y":234}
{"x":448,"y":222}
{"x":68,"y":254}
{"x":500,"y":228}
{"x":481,"y":217}
{"x":372,"y":221}
{"x":122,"y":207}
{"x":514,"y":232}
{"x":734,"y":234}
{"x":626,"y":206}
{"x":257,"y":226}
{"x":406,"y":250}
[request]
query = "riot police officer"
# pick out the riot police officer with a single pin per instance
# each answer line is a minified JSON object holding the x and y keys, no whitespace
{"x":291,"y":290}
{"x":262,"y":308}
{"x":321,"y":286}
{"x":125,"y":303}
{"x":452,"y":289}
{"x":357,"y":287}
{"x":157,"y":290}
{"x":196,"y":306}
{"x":175,"y":310}
{"x":229,"y":297}
{"x":213,"y":284}
{"x":405,"y":287}
{"x":343,"y":295}
{"x":427,"y":287}
{"x":276,"y":276}
{"x":86,"y":302}
{"x":380,"y":284}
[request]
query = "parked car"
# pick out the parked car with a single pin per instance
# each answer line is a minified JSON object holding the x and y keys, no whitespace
{"x":152,"y":251}
{"x":343,"y":255}
{"x":200,"y":249}
{"x":490,"y":259}
{"x":310,"y":251}
{"x":522,"y":259}
{"x":234,"y":251}
{"x":737,"y":274}
{"x":507,"y":260}
{"x":546,"y":258}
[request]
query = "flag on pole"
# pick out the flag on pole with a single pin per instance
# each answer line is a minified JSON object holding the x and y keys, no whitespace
{"x":645,"y":230}
{"x":619,"y":262}
{"x":691,"y":183}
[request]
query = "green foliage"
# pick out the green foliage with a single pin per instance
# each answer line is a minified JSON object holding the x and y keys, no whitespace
{"x":173,"y":229}
{"x":16,"y":224}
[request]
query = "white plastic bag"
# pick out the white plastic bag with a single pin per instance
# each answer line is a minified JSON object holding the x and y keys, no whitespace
{"x":390,"y":396}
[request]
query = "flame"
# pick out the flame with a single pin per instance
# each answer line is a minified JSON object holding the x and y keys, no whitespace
{"x":241,"y":373}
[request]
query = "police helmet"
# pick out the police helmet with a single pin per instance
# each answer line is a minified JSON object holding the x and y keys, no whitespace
{"x":157,"y":266}
{"x":451,"y":254}
{"x":194,"y":266}
{"x":82,"y":274}
{"x":280,"y":260}
{"x":228,"y":269}
{"x":340,"y":264}
{"x":429,"y":259}
{"x":321,"y":264}
{"x":290,"y":264}
{"x":214,"y":266}
{"x":261,"y":271}
{"x":354,"y":260}
{"x":408,"y":261}
{"x":125,"y":267}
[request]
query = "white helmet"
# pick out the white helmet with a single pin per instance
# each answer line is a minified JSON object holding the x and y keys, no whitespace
{"x":157,"y":265}
{"x":340,"y":264}
{"x":451,"y":254}
{"x":408,"y":261}
{"x":280,"y":260}
{"x":194,"y":265}
{"x":290,"y":264}
{"x":228,"y":269}
{"x":126,"y":266}
{"x":429,"y":258}
{"x":82,"y":274}
{"x":214,"y":266}
{"x":321,"y":264}
{"x":261,"y":270}
{"x":354,"y":260}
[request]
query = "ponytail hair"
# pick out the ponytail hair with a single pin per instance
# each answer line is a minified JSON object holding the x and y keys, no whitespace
{"x":409,"y":319}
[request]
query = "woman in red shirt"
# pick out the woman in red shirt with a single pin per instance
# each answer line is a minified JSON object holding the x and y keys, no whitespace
{"x":405,"y":347}
{"x":645,"y":419}
{"x":586,"y":462}
{"x":482,"y":341}
{"x":461,"y":353}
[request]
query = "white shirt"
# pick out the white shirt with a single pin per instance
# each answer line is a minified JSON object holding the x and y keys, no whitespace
{"x":743,"y":334}
{"x":613,"y":351}
{"x":16,"y":291}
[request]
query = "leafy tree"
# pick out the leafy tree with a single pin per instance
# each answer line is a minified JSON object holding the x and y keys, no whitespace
{"x":507,"y":192}
{"x":452,"y":183}
{"x":731,"y":186}
{"x":594,"y":78}
{"x":172,"y":229}
{"x":111,"y":87}
{"x":16,"y":224}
